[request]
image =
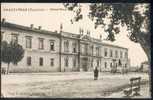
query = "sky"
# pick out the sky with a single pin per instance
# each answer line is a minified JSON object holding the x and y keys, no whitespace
{"x":51,"y":15}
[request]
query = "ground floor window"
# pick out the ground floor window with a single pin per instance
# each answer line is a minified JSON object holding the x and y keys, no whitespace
{"x":40,"y":61}
{"x":97,"y":62}
{"x":52,"y":62}
{"x":29,"y":61}
{"x":125,"y":65}
{"x":110,"y":65}
{"x":105,"y":64}
{"x":91,"y":62}
{"x":66,"y":61}
{"x":116,"y":65}
{"x":74,"y":62}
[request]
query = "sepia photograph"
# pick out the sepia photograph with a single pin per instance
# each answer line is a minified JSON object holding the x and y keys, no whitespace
{"x":75,"y":50}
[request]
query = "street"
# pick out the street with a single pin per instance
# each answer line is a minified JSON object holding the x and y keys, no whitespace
{"x":66,"y":84}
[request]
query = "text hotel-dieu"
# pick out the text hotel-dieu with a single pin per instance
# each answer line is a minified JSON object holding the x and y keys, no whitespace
{"x":48,"y":51}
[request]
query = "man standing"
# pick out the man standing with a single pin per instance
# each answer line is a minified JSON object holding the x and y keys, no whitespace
{"x":96,"y":73}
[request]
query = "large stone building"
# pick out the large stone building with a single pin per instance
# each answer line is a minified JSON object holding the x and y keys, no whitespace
{"x":47,"y":51}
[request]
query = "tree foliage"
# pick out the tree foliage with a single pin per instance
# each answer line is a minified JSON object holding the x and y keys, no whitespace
{"x":11,"y":52}
{"x":135,"y":16}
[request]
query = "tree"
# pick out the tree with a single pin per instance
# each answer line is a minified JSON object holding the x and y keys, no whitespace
{"x":134,"y":16}
{"x":129,"y":15}
{"x":11,"y":53}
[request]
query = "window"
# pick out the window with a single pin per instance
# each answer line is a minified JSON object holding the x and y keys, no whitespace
{"x":105,"y":64}
{"x":2,"y":33}
{"x":116,"y":54}
{"x":97,"y":62}
{"x":92,"y":49}
{"x":111,"y":53}
{"x":92,"y":62}
{"x":126,"y":55}
{"x":28,"y":42}
{"x":125,"y":65}
{"x":97,"y":51}
{"x":110,"y":65}
{"x":116,"y":65}
{"x":85,"y":49}
{"x":74,"y":47}
{"x":66,"y":46}
{"x":74,"y":61}
{"x":52,"y":62}
{"x":40,"y":61}
{"x":41,"y":43}
{"x":52,"y":45}
{"x":105,"y":52}
{"x":66,"y":62}
{"x":121,"y":54}
{"x":29,"y":61}
{"x":15,"y":38}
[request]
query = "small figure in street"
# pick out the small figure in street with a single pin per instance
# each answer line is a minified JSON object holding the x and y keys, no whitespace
{"x":96,"y":73}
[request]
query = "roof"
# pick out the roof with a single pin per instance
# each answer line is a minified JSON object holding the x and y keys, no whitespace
{"x":70,"y":35}
{"x":64,"y":34}
{"x":21,"y":27}
{"x":145,"y":62}
{"x":106,"y":44}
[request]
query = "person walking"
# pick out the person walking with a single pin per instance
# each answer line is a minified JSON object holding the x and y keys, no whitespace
{"x":96,"y":73}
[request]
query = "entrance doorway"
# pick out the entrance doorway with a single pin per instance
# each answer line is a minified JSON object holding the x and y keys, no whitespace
{"x":84,"y":64}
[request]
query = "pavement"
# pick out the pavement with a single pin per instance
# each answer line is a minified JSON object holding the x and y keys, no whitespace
{"x":68,"y":84}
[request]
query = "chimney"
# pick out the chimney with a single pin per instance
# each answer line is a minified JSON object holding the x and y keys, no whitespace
{"x":39,"y":27}
{"x":82,"y":31}
{"x":100,"y":37}
{"x":55,"y":31}
{"x":88,"y":32}
{"x":61,"y":27}
{"x":31,"y":26}
{"x":3,"y":20}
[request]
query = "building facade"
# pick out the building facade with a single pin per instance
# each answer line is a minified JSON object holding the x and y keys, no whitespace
{"x":47,"y":51}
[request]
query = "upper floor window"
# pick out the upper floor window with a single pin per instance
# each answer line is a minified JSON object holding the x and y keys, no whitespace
{"x":105,"y":52}
{"x":92,"y":62}
{"x":111,"y":53}
{"x":86,"y":49}
{"x":98,"y":62}
{"x":41,"y":43}
{"x":105,"y":64}
{"x":52,"y":61}
{"x":29,"y":61}
{"x":126,"y":55}
{"x":91,"y":48}
{"x":52,"y":45}
{"x":15,"y":38}
{"x":111,"y":65}
{"x":66,"y":46}
{"x":28,"y":42}
{"x":97,"y":51}
{"x":74,"y":47}
{"x":116,"y":54}
{"x":125,"y":65}
{"x":121,"y":54}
